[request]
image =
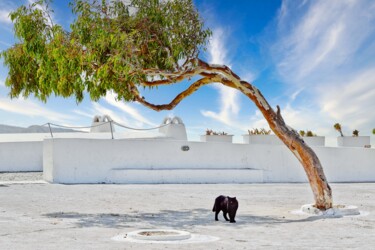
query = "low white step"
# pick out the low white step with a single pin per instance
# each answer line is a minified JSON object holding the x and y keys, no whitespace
{"x":184,"y":176}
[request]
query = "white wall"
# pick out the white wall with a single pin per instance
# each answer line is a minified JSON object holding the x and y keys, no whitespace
{"x":344,"y":164}
{"x":23,"y":152}
{"x":353,"y":141}
{"x":160,"y":161}
{"x":21,"y":156}
{"x":90,"y":160}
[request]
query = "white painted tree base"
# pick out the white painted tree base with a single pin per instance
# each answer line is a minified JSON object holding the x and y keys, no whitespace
{"x":338,"y":210}
{"x":165,"y":236}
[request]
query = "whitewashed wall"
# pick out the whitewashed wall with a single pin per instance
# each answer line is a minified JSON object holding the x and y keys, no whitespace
{"x":163,"y":161}
{"x":95,"y":161}
{"x":21,"y":156}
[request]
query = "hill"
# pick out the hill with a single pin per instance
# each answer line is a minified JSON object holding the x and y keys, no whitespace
{"x":7,"y":129}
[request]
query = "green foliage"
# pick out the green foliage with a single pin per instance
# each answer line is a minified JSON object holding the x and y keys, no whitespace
{"x":261,"y":131}
{"x":355,"y":133}
{"x":110,"y":45}
{"x":373,"y":131}
{"x":308,"y":133}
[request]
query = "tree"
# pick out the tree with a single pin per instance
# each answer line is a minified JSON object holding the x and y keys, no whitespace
{"x":355,"y":133}
{"x":121,"y":47}
{"x":337,"y":126}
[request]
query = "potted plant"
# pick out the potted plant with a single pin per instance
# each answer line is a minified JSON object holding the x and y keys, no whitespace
{"x":213,"y":136}
{"x":261,"y":136}
{"x":355,"y":133}
{"x":337,"y":126}
{"x":312,"y":139}
{"x":351,"y":141}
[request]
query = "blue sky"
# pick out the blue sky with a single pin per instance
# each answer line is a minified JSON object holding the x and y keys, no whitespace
{"x":316,"y":59}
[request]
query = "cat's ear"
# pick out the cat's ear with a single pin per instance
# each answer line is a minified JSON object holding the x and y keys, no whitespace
{"x":234,"y":198}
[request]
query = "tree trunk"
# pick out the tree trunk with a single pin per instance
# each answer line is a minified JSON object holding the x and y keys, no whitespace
{"x":306,"y":156}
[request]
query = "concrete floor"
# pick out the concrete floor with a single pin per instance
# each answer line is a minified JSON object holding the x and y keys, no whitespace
{"x":37,"y":215}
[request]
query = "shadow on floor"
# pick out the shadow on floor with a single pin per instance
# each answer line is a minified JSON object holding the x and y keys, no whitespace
{"x":184,"y":219}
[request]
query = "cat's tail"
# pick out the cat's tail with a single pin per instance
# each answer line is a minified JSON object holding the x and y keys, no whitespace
{"x":214,"y":208}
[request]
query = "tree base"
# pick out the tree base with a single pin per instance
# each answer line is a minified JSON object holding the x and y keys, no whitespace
{"x":338,"y":210}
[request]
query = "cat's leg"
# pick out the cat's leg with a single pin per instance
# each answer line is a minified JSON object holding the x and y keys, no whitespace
{"x":225,"y":216}
{"x":232,"y":216}
{"x":216,"y":213}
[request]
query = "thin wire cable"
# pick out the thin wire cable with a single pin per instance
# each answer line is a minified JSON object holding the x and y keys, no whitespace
{"x":113,"y":122}
{"x":92,"y":126}
{"x":123,"y":126}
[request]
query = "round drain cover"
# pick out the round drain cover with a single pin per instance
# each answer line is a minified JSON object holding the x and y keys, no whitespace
{"x":159,"y":235}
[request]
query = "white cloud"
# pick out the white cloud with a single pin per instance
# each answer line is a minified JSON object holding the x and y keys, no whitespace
{"x":229,"y":98}
{"x":29,"y":108}
{"x":325,"y":52}
{"x":84,"y":114}
{"x":101,"y":110}
{"x":326,"y":35}
{"x":352,"y":103}
{"x":216,"y":49}
{"x":4,"y":17}
{"x":229,"y":105}
{"x":134,"y":113}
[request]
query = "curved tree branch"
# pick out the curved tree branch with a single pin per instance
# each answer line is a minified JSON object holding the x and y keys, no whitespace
{"x":192,"y":88}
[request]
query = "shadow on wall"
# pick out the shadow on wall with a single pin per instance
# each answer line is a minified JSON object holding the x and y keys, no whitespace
{"x":184,"y":219}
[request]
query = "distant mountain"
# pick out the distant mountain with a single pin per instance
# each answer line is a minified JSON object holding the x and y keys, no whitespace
{"x":6,"y":129}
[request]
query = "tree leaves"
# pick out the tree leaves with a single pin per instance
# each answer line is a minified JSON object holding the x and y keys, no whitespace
{"x":112,"y":45}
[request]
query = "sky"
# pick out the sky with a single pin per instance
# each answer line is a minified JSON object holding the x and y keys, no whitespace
{"x":315,"y":59}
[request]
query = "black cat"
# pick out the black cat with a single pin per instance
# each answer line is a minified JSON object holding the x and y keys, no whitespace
{"x":226,"y":204}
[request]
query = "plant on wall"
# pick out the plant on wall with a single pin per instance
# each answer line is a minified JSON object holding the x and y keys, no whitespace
{"x":308,"y":133}
{"x":355,"y":133}
{"x":337,"y":126}
{"x":261,"y":131}
{"x":373,"y":131}
{"x":211,"y":132}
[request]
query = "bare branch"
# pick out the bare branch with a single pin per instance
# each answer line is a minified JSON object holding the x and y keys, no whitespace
{"x":188,"y":70}
{"x":192,"y":88}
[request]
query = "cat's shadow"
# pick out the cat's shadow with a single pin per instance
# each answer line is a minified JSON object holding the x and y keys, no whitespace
{"x":183,"y":219}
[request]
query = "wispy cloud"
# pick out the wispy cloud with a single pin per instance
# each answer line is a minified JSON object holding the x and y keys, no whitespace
{"x":229,"y":98}
{"x":325,"y":51}
{"x":101,"y":110}
{"x":6,"y":6}
{"x":4,"y":17}
{"x":131,"y":118}
{"x":352,"y":102}
{"x":30,"y":108}
{"x":131,"y":111}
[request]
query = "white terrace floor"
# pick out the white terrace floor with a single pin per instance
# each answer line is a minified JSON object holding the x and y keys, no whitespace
{"x":51,"y":216}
